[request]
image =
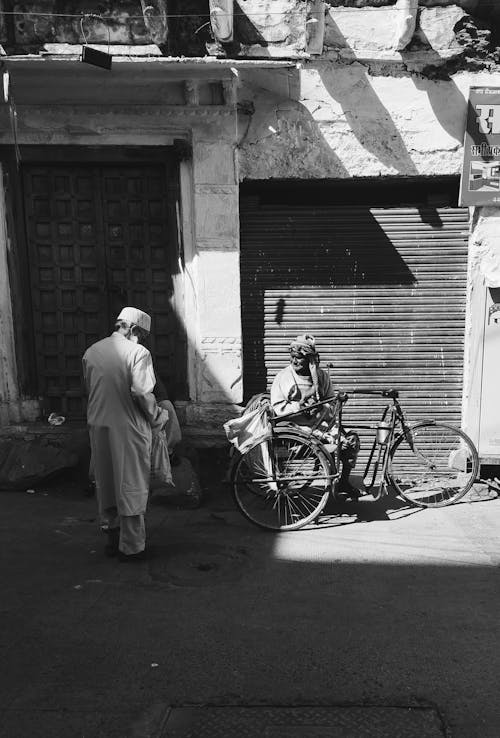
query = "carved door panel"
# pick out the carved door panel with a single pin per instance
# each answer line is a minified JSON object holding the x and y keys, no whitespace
{"x":140,"y":244}
{"x":99,"y":238}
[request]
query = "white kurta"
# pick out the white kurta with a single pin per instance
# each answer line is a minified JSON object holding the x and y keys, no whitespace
{"x":116,"y":371}
{"x":288,"y":379}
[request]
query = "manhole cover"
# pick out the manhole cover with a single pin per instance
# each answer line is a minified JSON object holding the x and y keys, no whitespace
{"x":199,"y":566}
{"x":303,"y":722}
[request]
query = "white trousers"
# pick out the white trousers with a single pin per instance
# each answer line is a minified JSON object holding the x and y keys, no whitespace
{"x":132,"y":529}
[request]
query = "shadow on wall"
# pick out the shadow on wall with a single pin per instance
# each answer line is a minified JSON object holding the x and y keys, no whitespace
{"x":288,"y":135}
{"x":287,"y":244}
{"x":373,"y":126}
{"x":445,"y":98}
{"x":279,"y":137}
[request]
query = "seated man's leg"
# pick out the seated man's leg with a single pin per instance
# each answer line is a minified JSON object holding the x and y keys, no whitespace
{"x":349,"y":450}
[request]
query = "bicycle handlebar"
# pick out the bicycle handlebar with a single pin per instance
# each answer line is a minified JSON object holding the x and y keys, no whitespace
{"x":341,"y":397}
{"x":392,"y":393}
{"x":338,"y":397}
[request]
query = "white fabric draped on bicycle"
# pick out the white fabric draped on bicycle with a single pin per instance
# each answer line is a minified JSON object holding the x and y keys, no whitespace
{"x":253,"y":429}
{"x":248,"y":429}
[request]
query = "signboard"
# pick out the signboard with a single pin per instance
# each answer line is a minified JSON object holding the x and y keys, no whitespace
{"x":480,"y":181}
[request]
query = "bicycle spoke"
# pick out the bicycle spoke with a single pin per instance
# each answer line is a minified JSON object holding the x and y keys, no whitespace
{"x":287,"y":489}
{"x":308,"y":506}
{"x":441,"y":468}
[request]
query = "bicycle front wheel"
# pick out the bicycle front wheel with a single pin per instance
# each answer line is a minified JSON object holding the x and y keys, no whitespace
{"x":283,"y":483}
{"x":433,"y":465}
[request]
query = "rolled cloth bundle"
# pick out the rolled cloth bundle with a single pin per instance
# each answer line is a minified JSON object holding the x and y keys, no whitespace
{"x":305,"y":345}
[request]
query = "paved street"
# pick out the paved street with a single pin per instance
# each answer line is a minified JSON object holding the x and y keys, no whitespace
{"x":398,"y":613}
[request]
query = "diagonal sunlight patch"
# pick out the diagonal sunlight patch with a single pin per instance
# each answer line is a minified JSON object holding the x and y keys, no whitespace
{"x":434,"y":537}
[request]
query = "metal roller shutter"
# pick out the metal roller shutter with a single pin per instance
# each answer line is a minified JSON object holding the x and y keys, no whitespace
{"x":382,"y":289}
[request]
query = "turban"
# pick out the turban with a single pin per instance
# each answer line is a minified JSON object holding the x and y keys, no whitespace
{"x":303,"y":345}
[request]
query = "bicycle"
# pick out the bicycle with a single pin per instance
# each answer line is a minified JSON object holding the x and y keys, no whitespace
{"x":284,"y":480}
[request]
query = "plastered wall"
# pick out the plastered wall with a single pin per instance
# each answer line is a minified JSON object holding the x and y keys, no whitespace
{"x":328,"y":120}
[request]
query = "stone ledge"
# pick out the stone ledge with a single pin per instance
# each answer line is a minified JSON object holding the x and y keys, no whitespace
{"x":208,"y":435}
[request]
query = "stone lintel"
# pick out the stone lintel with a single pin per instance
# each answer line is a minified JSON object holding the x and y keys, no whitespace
{"x":217,"y":244}
{"x":211,"y":415}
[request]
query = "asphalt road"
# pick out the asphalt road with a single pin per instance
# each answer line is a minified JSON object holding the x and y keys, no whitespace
{"x":401,"y":610}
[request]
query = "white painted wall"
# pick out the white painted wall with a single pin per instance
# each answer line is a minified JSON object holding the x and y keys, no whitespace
{"x":329,"y":120}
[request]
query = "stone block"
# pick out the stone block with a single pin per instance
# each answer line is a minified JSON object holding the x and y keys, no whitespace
{"x":214,"y":163}
{"x":219,"y":297}
{"x":279,"y":26}
{"x":125,"y":25}
{"x":221,"y":377}
{"x":435,"y":27}
{"x":25,"y":463}
{"x":316,"y":27}
{"x":216,"y":209}
{"x":364,"y":31}
{"x":211,"y":415}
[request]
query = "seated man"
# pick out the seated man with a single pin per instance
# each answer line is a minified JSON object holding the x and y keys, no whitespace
{"x":302,"y":383}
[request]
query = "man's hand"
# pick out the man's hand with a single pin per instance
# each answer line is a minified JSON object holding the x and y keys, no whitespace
{"x":307,"y":397}
{"x":160,"y":421}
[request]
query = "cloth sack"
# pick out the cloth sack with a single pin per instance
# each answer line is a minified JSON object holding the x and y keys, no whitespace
{"x":185,"y":490}
{"x":172,"y":427}
{"x":161,"y":472}
{"x":248,"y":429}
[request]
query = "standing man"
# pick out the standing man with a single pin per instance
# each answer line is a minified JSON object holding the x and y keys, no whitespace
{"x":302,"y":383}
{"x":121,"y":412}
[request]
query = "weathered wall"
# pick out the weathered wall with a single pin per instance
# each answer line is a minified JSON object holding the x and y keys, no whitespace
{"x":131,"y":114}
{"x":329,"y":120}
{"x":30,"y":25}
{"x":482,"y":351}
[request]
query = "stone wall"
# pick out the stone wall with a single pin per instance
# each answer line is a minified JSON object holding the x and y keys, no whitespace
{"x":54,"y":21}
{"x":333,"y":121}
{"x":466,"y":30}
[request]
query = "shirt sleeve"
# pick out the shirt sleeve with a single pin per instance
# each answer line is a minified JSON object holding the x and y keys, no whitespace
{"x":143,"y":382}
{"x":326,"y":388}
{"x":86,"y":374}
{"x":143,"y":376}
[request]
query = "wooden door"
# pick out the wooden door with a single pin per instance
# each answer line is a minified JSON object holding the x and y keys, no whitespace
{"x":99,"y":238}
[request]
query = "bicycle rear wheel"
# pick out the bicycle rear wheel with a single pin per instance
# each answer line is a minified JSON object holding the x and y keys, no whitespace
{"x":434,"y":466}
{"x":283,"y":483}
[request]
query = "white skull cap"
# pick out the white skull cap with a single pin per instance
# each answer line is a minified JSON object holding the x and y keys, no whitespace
{"x":136,"y":316}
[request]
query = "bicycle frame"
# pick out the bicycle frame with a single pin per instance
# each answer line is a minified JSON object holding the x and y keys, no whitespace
{"x":335,"y":419}
{"x":392,"y":415}
{"x":440,"y":468}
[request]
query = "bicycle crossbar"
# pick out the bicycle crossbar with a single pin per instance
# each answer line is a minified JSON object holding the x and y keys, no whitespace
{"x":292,"y":479}
{"x":306,"y":408}
{"x":391,"y":393}
{"x":339,"y":398}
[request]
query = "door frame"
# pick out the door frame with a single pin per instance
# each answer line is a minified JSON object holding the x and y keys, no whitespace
{"x":22,"y":307}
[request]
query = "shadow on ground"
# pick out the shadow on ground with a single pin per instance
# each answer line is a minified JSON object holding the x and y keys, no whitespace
{"x":388,"y":612}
